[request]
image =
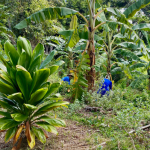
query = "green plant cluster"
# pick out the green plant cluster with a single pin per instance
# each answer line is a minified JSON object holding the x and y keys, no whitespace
{"x":24,"y":88}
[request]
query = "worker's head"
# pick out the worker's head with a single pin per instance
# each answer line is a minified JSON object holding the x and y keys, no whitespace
{"x":106,"y":76}
{"x":70,"y":76}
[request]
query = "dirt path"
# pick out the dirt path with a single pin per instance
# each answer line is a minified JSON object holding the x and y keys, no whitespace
{"x":72,"y":137}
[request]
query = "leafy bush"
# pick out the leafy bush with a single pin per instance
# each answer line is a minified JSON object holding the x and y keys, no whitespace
{"x":24,"y":89}
{"x":80,"y":83}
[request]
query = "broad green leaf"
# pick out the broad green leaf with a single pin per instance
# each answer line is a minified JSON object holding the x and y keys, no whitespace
{"x":12,"y":72}
{"x":83,"y":33}
{"x":39,"y":134}
{"x":59,"y":63}
{"x":5,"y":114}
{"x":52,"y":88}
{"x":24,"y":44}
{"x":32,"y":143}
{"x":49,"y":107}
{"x":3,"y":67}
{"x":19,"y":117}
{"x":10,"y":124}
{"x":11,"y":52}
{"x":4,"y":120}
{"x":17,"y":97}
{"x":54,"y":122}
{"x":115,"y":24}
{"x":116,"y":70}
{"x":6,"y":88}
{"x":142,"y":26}
{"x":48,"y":59}
{"x":137,"y":65}
{"x":127,"y":53}
{"x":32,"y":107}
{"x":66,"y":33}
{"x":47,"y":14}
{"x":81,"y":47}
{"x":147,"y":38}
{"x":39,"y":50}
{"x":135,"y":7}
{"x":24,"y":60}
{"x":53,"y":69}
{"x":7,"y":106}
{"x":74,"y":22}
{"x":97,"y":38}
{"x":4,"y":75}
{"x":102,"y":19}
{"x":10,"y":134}
{"x":129,"y":45}
{"x":38,"y":95}
{"x":24,"y":81}
{"x":81,"y":83}
{"x":35,"y":64}
{"x":46,"y":126}
{"x":72,"y":37}
{"x":39,"y":78}
{"x":120,"y":16}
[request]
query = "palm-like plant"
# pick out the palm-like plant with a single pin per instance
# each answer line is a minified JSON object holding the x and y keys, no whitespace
{"x":24,"y":89}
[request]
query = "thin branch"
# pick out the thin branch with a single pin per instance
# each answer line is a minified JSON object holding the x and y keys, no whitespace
{"x":89,"y":7}
{"x":114,"y":48}
{"x":113,"y":64}
{"x":98,"y":26}
{"x":105,"y":50}
{"x":106,"y":45}
{"x":83,"y":17}
{"x":113,"y":40}
{"x":144,"y":127}
{"x":104,"y":66}
{"x":86,"y":47}
{"x":86,"y":27}
{"x":98,"y":13}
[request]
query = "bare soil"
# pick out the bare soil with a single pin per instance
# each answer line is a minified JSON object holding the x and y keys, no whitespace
{"x":72,"y":137}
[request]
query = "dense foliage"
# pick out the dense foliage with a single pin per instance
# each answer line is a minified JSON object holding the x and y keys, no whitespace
{"x":24,"y":90}
{"x":88,"y":39}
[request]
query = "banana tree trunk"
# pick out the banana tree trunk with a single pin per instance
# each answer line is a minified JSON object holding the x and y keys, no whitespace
{"x":109,"y":50}
{"x":148,"y":72}
{"x":149,"y":83}
{"x":91,"y":48}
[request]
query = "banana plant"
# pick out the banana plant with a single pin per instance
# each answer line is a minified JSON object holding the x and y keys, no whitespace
{"x":129,"y":62}
{"x":24,"y":89}
{"x":80,"y":83}
{"x":94,"y":22}
{"x":146,"y":44}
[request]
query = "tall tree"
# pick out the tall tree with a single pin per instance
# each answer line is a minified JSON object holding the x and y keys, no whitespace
{"x":93,"y":22}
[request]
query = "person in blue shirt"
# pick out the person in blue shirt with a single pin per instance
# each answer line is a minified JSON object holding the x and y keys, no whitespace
{"x":67,"y":78}
{"x":107,"y":85}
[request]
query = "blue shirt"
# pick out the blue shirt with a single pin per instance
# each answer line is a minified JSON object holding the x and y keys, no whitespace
{"x":67,"y":79}
{"x":107,"y":85}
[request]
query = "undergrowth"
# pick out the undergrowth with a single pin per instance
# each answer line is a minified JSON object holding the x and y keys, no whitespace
{"x":119,"y":113}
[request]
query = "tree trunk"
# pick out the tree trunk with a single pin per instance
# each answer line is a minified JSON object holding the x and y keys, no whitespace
{"x":109,"y":50}
{"x":149,"y":83}
{"x":91,"y":48}
{"x":148,"y":72}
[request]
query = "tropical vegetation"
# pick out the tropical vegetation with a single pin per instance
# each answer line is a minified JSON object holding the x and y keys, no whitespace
{"x":88,"y":39}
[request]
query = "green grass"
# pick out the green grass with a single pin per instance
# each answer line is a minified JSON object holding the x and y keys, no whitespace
{"x":121,"y":112}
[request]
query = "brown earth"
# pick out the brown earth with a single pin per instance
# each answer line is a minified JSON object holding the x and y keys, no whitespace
{"x":72,"y":137}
